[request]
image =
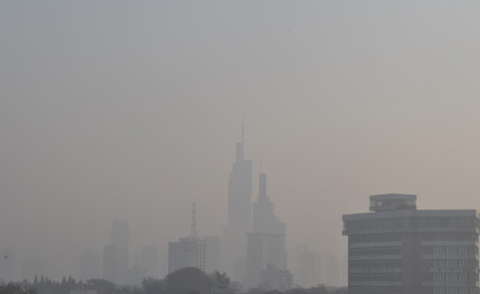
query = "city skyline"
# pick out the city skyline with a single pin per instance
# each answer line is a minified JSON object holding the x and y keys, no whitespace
{"x":132,"y":111}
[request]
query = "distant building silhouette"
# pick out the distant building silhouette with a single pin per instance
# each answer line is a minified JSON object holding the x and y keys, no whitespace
{"x":149,"y":261}
{"x":213,"y":254}
{"x":275,"y":279}
{"x":333,"y":271}
{"x":115,"y":255}
{"x":187,"y":252}
{"x":238,"y":215}
{"x":266,"y":244}
{"x":306,"y":274}
{"x":344,"y":276}
{"x":89,"y":265}
{"x":398,"y":249}
{"x":135,"y":275}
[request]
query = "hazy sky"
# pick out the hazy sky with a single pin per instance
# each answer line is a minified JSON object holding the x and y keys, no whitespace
{"x":131,"y":109}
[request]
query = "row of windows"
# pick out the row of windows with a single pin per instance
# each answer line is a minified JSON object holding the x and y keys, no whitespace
{"x":374,"y":238}
{"x":450,"y":277}
{"x":453,"y":290}
{"x":453,"y":236}
{"x":383,"y":277}
{"x":375,"y":265}
{"x":411,"y":223}
{"x":450,"y":263}
{"x":450,"y":249}
{"x":391,"y":250}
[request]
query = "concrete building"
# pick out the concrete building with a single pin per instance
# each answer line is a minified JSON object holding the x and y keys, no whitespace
{"x":398,"y":249}
{"x":306,"y":274}
{"x":115,"y":255}
{"x":187,"y":252}
{"x":238,"y":215}
{"x":266,"y":244}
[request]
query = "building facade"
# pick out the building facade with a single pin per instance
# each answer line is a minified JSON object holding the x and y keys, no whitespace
{"x":397,"y":249}
{"x":115,"y":255}
{"x":266,"y":252}
{"x":187,"y":252}
{"x":239,"y":216}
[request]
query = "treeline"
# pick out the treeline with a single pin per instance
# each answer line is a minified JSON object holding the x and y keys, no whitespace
{"x":313,"y":290}
{"x":183,"y":281}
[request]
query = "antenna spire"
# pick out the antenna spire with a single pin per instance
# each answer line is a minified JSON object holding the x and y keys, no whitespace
{"x":193,"y":232}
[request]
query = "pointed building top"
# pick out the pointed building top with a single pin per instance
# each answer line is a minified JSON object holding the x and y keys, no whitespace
{"x":239,"y":146}
{"x":262,"y":186}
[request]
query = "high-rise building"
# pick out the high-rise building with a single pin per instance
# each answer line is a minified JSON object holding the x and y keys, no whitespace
{"x":213,"y":254}
{"x":115,"y":255}
{"x":121,"y":237}
{"x":89,"y":264}
{"x":306,"y":267}
{"x":110,"y":263}
{"x":266,"y":243}
{"x":398,"y":249}
{"x":238,"y":215}
{"x":187,"y":252}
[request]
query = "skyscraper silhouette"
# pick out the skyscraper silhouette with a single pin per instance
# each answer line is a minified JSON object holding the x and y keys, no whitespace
{"x":266,"y":253}
{"x":115,"y":255}
{"x":238,"y":215}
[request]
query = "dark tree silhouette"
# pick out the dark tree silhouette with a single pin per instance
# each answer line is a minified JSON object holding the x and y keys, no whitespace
{"x":188,"y":280}
{"x":15,"y":288}
{"x":153,"y":286}
{"x":220,"y":279}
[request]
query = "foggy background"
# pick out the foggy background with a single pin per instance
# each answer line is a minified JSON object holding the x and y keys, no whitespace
{"x":131,"y":110}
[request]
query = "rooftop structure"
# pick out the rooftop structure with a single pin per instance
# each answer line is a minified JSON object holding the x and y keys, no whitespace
{"x":397,"y":249}
{"x":189,"y":251}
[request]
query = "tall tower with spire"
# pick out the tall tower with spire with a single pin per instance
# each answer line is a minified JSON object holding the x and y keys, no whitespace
{"x":238,"y":214}
{"x":189,"y":251}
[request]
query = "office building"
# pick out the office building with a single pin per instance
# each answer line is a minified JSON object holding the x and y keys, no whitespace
{"x":115,"y":255}
{"x":306,"y":267}
{"x":238,"y":215}
{"x":187,"y":252}
{"x":266,"y":244}
{"x":397,"y":249}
